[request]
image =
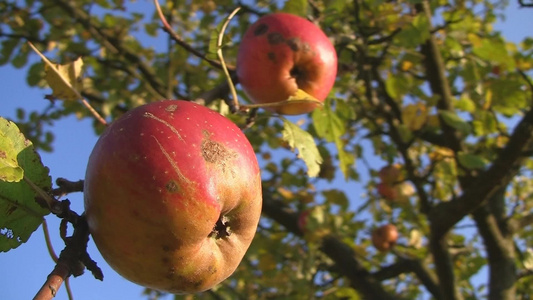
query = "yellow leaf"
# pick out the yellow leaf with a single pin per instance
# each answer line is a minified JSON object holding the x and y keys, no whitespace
{"x":414,"y":116}
{"x":415,"y":239}
{"x":441,"y":153}
{"x":285,"y":193}
{"x":71,"y":72}
{"x":488,"y":99}
{"x":406,"y":65}
{"x":474,"y":39}
{"x":301,"y":95}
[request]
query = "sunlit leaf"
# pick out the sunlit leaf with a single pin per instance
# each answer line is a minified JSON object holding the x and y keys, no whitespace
{"x":302,"y":141}
{"x":453,"y":120}
{"x":72,"y":73}
{"x":471,"y":161}
{"x":296,"y":7}
{"x":20,"y":214}
{"x":330,"y":126}
{"x":414,"y":116}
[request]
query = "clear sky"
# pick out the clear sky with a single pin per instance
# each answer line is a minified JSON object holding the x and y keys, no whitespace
{"x":24,"y":270}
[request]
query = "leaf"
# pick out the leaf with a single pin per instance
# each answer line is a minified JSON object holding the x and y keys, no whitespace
{"x":10,"y":140}
{"x":415,"y":32}
{"x":471,"y":161}
{"x":70,"y":72}
{"x":453,"y":120}
{"x":20,"y":214}
{"x":414,"y":116}
{"x":295,"y":7}
{"x":330,"y":126}
{"x":415,"y":239}
{"x":302,"y":95}
{"x":347,"y":293}
{"x":494,"y":50}
{"x":528,"y":259}
{"x":336,"y":197}
{"x":304,"y":142}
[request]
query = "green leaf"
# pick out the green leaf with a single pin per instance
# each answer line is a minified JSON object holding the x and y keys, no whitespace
{"x":347,"y":293}
{"x":415,"y":33}
{"x":453,"y":120}
{"x":494,"y":50}
{"x":11,"y":142}
{"x":329,"y":125}
{"x":305,"y":144}
{"x":471,"y":161}
{"x":20,"y":214}
{"x":296,"y":7}
{"x":336,"y":197}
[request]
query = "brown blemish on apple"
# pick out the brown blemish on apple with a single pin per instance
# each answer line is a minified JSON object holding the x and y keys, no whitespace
{"x":294,"y":44}
{"x":271,"y":56}
{"x":214,"y":152}
{"x":171,"y":272}
{"x":275,"y":38}
{"x":260,"y":29}
{"x":172,"y":187}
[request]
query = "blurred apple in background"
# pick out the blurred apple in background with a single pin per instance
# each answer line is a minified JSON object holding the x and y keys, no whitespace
{"x":385,"y":237}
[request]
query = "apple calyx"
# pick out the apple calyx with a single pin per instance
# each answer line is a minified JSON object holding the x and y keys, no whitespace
{"x":221,"y":229}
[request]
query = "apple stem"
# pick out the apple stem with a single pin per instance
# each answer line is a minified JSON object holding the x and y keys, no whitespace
{"x":235,"y":107}
{"x":280,"y":103}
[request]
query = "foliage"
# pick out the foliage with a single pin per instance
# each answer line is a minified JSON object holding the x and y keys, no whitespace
{"x":428,"y":85}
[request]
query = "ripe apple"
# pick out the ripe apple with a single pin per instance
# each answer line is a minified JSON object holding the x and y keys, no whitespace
{"x":385,"y":237}
{"x":281,"y":53}
{"x":388,"y":191}
{"x":390,"y":174}
{"x":302,"y":220}
{"x":173,"y":196}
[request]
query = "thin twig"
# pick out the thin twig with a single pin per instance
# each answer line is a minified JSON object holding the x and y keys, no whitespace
{"x":167,"y":28}
{"x":223,"y":63}
{"x":48,"y":241}
{"x":50,"y":201}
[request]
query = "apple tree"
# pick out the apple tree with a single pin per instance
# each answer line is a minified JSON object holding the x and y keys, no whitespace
{"x":411,"y":179}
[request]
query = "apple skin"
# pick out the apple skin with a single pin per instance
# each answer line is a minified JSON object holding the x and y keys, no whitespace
{"x":281,"y":53}
{"x":388,"y":191}
{"x":390,"y":174}
{"x":165,"y":185}
{"x":385,"y":237}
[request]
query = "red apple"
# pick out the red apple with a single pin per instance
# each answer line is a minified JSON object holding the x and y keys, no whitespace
{"x":302,"y":220}
{"x":173,"y":196}
{"x":281,"y":53}
{"x":388,"y":191}
{"x":390,"y":174}
{"x":385,"y":237}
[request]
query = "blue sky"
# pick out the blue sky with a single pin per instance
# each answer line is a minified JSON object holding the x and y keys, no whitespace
{"x":25,"y":269}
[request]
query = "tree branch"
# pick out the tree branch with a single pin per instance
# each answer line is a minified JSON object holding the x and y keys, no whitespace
{"x":343,"y":256}
{"x":115,"y":46}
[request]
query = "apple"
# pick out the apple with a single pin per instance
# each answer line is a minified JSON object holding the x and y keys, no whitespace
{"x":281,"y":53}
{"x":302,"y":220}
{"x":388,"y":191}
{"x":390,"y":174}
{"x":173,"y":196}
{"x":385,"y":237}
